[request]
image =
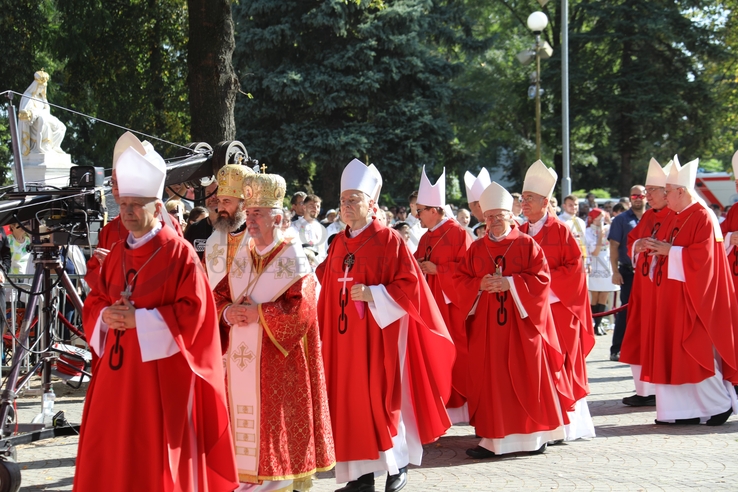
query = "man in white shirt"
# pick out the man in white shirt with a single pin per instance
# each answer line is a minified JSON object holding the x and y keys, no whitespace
{"x":309,"y":231}
{"x":574,"y":223}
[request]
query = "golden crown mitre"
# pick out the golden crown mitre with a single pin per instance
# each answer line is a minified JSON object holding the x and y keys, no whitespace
{"x":264,"y":190}
{"x":230,"y":180}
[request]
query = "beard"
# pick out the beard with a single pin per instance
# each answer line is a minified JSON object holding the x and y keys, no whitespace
{"x":229,"y":223}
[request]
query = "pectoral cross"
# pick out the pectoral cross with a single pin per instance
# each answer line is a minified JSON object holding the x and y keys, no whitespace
{"x":345,"y":279}
{"x":126,"y":294}
{"x":343,"y":302}
{"x":263,"y":168}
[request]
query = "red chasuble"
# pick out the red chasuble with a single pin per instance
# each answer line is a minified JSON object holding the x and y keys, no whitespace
{"x":362,"y":367}
{"x":641,"y":302}
{"x":295,"y":438}
{"x":136,"y":425}
{"x":445,"y":247}
{"x":513,"y":359}
{"x":730,"y":224}
{"x":572,"y":315}
{"x":694,"y":316}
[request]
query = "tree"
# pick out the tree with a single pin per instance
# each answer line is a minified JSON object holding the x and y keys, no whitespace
{"x":123,"y":62}
{"x":23,"y":39}
{"x":213,"y":84}
{"x":639,"y":71}
{"x":332,"y":80}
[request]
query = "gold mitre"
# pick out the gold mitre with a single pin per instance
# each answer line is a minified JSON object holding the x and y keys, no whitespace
{"x":264,"y":190}
{"x":230,"y":180}
{"x":41,"y":77}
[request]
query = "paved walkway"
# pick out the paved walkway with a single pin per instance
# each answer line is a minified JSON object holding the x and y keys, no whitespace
{"x":629,"y":453}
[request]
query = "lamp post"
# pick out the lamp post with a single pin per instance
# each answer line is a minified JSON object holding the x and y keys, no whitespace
{"x":537,"y":22}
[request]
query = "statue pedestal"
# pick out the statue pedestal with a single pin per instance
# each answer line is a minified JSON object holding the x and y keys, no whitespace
{"x":51,"y":169}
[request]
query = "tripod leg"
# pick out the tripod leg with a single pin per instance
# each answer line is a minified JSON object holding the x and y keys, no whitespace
{"x":7,"y":397}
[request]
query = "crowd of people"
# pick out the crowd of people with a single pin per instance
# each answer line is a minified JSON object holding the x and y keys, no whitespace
{"x":259,"y":345}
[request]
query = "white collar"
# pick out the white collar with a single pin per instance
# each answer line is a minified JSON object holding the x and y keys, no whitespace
{"x":536,"y":227}
{"x":500,"y":238}
{"x":277,"y":237}
{"x":353,"y":233}
{"x":443,"y":221}
{"x":135,"y":243}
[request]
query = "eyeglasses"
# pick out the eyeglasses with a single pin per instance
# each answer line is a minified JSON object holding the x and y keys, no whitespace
{"x":529,"y":198}
{"x":497,"y":217}
{"x":653,"y":190}
{"x":637,"y":197}
{"x":418,"y":210}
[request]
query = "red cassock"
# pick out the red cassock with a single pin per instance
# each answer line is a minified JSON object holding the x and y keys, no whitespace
{"x":136,"y":426}
{"x":641,"y":302}
{"x":362,"y":361}
{"x":513,"y":359}
{"x":572,"y":315}
{"x":295,"y":438}
{"x":445,"y":247}
{"x":691,"y":317}
{"x":730,"y":224}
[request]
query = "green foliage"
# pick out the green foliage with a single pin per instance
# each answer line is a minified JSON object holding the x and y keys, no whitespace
{"x":334,"y":80}
{"x":597,"y":192}
{"x":713,"y":166}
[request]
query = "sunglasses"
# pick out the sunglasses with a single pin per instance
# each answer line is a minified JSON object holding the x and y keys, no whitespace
{"x":641,"y":197}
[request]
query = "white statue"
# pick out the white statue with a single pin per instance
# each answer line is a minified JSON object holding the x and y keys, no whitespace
{"x":41,"y":133}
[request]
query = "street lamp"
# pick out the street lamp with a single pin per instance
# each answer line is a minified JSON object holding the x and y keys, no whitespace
{"x":537,"y":22}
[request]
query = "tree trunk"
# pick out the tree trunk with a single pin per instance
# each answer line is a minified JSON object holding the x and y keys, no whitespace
{"x":212,"y":81}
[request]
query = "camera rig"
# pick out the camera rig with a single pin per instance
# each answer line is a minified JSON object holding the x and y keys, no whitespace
{"x":57,"y":218}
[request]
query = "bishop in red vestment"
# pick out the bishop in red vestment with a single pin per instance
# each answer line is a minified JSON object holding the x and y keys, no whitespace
{"x":729,"y":228}
{"x":269,"y":324}
{"x":503,"y":282}
{"x":640,"y":302}
{"x":689,"y":350}
{"x":388,"y":355}
{"x":569,"y":298}
{"x":439,"y":252}
{"x":156,"y":404}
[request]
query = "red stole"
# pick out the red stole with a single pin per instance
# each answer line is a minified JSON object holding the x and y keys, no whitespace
{"x":362,"y":360}
{"x":730,"y":224}
{"x":445,"y":247}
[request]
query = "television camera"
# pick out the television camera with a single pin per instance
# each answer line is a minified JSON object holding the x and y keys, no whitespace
{"x":57,"y":218}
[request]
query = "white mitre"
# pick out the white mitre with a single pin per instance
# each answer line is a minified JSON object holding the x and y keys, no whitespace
{"x":140,"y":175}
{"x":432,"y":195}
{"x":735,"y":166}
{"x":357,"y":176}
{"x":128,"y":139}
{"x":540,"y":179}
{"x":657,"y":175}
{"x":378,"y":188}
{"x":685,"y":175}
{"x":476,"y":185}
{"x":495,"y":197}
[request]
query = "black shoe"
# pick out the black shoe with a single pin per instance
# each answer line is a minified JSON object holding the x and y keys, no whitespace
{"x":615,"y":357}
{"x":556,"y":442}
{"x":396,"y":482}
{"x":640,"y":401}
{"x":720,"y":418}
{"x":364,"y":483}
{"x":599,"y":331}
{"x":694,"y":421}
{"x":480,"y":453}
{"x":540,"y":450}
